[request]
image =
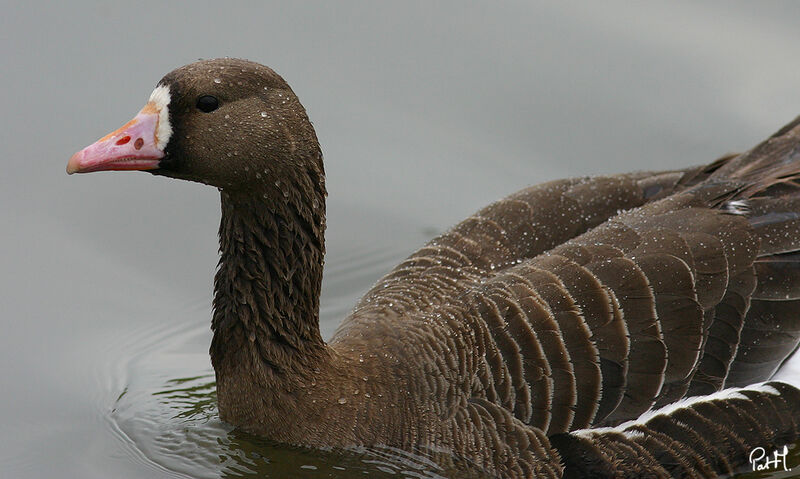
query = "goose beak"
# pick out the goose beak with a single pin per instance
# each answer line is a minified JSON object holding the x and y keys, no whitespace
{"x":134,"y":146}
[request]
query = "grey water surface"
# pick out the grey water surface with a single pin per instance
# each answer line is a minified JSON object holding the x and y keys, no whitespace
{"x":426,"y":111}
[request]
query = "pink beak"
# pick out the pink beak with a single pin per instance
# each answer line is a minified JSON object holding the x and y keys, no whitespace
{"x":131,"y":147}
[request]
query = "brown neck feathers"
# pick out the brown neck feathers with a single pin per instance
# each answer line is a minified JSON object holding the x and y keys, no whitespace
{"x":267,"y":286}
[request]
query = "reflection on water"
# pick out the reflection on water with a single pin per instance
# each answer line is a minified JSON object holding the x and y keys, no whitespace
{"x":194,"y":398}
{"x":177,"y":427}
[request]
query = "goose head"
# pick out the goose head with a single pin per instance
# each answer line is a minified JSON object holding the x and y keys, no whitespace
{"x":229,"y":123}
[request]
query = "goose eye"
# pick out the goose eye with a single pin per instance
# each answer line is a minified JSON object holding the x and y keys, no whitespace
{"x":207,"y":103}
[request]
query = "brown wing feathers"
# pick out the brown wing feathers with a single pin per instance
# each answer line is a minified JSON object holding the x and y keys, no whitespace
{"x":588,"y":316}
{"x":511,"y":230}
{"x":619,"y":280}
{"x":745,"y":273}
{"x":723,"y":335}
{"x":648,"y":352}
{"x":700,"y":269}
{"x":771,"y":203}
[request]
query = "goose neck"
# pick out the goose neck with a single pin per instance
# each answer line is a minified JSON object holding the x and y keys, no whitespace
{"x":267,"y":286}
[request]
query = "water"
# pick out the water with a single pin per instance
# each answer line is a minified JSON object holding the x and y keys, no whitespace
{"x":426,"y":112}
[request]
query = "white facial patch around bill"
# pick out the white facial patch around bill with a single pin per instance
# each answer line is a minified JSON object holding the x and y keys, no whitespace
{"x":160,"y":98}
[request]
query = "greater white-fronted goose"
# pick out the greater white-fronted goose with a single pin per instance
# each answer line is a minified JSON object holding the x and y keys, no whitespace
{"x":521,"y":340}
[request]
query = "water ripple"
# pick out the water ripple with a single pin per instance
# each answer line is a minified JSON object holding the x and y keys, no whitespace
{"x":166,"y":417}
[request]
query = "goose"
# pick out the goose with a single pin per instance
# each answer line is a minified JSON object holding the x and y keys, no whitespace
{"x":585,"y":327}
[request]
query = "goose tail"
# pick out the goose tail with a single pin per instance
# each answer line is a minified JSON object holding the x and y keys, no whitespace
{"x":770,"y":169}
